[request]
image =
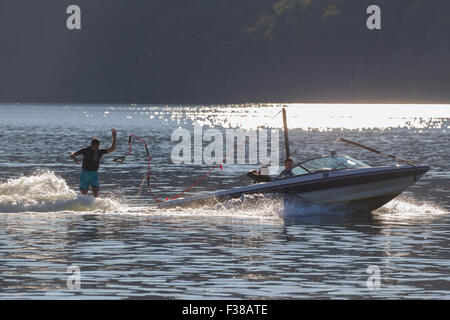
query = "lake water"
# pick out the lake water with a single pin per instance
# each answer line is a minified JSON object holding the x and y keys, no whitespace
{"x":124,"y":246}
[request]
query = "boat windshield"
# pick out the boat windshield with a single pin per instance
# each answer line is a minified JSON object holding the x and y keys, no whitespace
{"x":332,"y":163}
{"x":298,"y":171}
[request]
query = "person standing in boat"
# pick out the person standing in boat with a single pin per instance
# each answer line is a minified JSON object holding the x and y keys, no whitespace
{"x":288,"y":165}
{"x":91,"y":162}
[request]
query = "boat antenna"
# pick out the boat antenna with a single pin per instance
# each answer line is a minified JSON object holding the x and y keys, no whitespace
{"x":286,"y":136}
{"x":376,"y":151}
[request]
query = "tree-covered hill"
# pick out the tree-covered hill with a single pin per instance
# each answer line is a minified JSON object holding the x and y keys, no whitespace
{"x":225,"y":51}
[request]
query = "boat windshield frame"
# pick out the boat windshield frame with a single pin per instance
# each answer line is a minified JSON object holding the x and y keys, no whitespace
{"x":359,"y":164}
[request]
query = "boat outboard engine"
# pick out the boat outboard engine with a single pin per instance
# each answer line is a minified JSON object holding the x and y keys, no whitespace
{"x":333,"y":153}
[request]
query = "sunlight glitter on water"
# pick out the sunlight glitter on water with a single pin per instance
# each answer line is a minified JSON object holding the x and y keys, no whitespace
{"x":321,"y":117}
{"x":126,"y":246}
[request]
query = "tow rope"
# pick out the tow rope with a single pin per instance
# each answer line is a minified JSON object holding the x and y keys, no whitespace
{"x":219,"y":165}
{"x":122,"y":159}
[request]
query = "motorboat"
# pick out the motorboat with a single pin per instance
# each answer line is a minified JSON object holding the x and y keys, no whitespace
{"x":338,"y":181}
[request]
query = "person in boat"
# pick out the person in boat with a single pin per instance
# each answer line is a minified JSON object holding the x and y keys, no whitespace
{"x":288,"y":165}
{"x":262,"y":175}
{"x":91,"y":162}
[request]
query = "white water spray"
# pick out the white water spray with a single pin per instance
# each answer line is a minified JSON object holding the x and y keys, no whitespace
{"x":44,"y":191}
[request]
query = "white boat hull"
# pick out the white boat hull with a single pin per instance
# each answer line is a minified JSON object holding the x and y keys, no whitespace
{"x":364,"y":189}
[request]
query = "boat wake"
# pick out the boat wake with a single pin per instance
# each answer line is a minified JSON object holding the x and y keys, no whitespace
{"x":259,"y":206}
{"x":247,"y":207}
{"x":409,"y":209}
{"x":272,"y":207}
{"x":44,"y":191}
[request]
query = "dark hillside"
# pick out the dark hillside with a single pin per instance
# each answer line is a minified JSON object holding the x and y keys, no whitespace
{"x":225,"y":51}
